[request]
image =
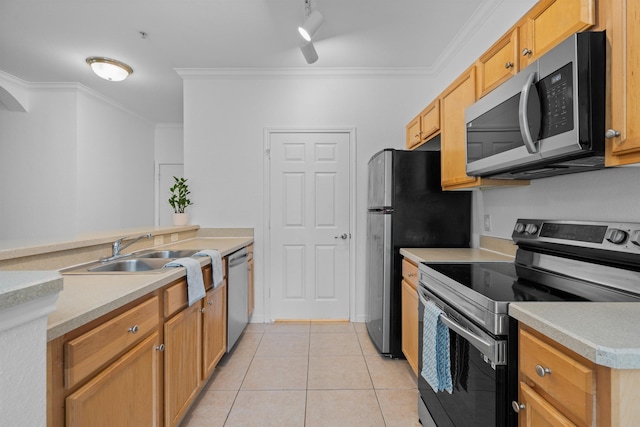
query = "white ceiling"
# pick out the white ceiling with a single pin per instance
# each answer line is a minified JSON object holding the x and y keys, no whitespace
{"x":48,"y":40}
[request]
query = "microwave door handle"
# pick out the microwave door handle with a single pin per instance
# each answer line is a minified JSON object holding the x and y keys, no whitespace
{"x":529,"y":143}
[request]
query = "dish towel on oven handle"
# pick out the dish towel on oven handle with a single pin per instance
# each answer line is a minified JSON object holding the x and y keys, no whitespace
{"x":216,"y":264}
{"x":195,"y":283}
{"x":436,"y":364}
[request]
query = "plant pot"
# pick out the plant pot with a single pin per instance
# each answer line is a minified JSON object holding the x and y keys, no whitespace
{"x":180,"y":218}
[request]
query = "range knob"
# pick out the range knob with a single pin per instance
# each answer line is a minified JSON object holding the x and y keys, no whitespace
{"x":531,"y":228}
{"x":635,"y":238}
{"x":616,"y":236}
{"x":519,"y":228}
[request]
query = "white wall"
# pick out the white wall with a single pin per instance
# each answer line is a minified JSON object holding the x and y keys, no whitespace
{"x":225,"y":121}
{"x":73,"y":163}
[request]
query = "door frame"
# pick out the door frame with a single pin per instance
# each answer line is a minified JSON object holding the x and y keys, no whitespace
{"x":351,"y":131}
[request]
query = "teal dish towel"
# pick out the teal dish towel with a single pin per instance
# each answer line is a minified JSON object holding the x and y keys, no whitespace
{"x":436,"y":364}
{"x":195,"y":282}
{"x":216,"y":264}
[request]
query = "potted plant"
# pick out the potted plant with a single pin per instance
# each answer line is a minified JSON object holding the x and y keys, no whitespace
{"x":179,"y":200}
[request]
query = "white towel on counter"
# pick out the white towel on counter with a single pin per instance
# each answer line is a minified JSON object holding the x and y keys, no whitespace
{"x":216,"y":264}
{"x":195,"y":282}
{"x":436,"y":364}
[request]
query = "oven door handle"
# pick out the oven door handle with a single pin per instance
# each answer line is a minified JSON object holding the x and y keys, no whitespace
{"x":486,"y":348}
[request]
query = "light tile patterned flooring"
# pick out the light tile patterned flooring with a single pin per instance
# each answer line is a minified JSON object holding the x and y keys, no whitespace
{"x":307,"y":374}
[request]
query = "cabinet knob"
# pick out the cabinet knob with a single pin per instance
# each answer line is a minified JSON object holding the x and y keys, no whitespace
{"x":526,"y":51}
{"x":210,"y":302}
{"x":542,"y":371}
{"x":611,"y":133}
{"x":160,"y":347}
{"x":202,"y":310}
{"x":411,"y":274}
{"x":517,"y":406}
{"x":134,"y":329}
{"x":508,"y":65}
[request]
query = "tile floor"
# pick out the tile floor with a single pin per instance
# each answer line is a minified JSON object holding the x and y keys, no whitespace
{"x":307,"y":374}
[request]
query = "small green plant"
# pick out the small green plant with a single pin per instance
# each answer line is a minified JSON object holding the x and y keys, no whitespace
{"x":179,"y":195}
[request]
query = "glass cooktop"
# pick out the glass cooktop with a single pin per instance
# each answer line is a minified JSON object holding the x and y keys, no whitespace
{"x":499,"y":282}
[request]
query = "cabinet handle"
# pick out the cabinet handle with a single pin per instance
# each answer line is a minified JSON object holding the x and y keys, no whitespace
{"x":160,"y":347}
{"x":508,"y":65}
{"x":411,"y":275}
{"x":202,"y":310}
{"x":542,"y":371}
{"x":526,"y":51}
{"x":134,"y":329}
{"x":210,"y":302}
{"x":611,"y":133}
{"x":517,"y":406}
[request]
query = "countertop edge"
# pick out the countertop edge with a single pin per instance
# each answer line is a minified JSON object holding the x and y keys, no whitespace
{"x":19,"y":287}
{"x":531,"y":314}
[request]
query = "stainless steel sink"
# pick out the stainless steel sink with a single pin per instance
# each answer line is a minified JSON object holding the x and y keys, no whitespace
{"x":166,"y":254}
{"x":120,"y":266}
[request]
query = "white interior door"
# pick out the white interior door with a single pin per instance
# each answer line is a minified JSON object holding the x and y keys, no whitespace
{"x":309,"y":225}
{"x":166,"y":172}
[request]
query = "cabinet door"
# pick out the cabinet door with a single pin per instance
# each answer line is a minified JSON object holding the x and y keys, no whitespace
{"x":551,"y":21}
{"x":455,"y":99}
{"x":413,"y":133}
{"x":214,"y":328}
{"x":410,"y":325}
{"x":182,"y":362}
{"x":126,"y":393}
{"x":623,"y":33}
{"x":430,"y":120}
{"x":498,"y":64}
{"x":537,"y":412}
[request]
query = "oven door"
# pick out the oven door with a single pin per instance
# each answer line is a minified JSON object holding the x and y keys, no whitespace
{"x":481,"y":389}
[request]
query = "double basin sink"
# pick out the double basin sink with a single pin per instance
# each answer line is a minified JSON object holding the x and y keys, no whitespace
{"x":149,"y":261}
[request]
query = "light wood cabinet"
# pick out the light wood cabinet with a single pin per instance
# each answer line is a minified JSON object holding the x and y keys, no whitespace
{"x":182,"y":362}
{"x":214,"y":328}
{"x":538,"y":412}
{"x":623,"y":34}
{"x":551,"y":21}
{"x":410,"y":324}
{"x":124,"y":394}
{"x":499,"y":63}
{"x":424,"y":126}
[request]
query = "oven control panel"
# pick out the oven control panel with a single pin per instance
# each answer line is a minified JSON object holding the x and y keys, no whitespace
{"x":619,"y":237}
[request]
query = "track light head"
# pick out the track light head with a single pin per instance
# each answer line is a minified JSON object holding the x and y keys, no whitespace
{"x":311,"y":25}
{"x":309,"y":52}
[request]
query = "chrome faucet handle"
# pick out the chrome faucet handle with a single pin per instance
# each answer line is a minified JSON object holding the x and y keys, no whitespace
{"x":115,"y":247}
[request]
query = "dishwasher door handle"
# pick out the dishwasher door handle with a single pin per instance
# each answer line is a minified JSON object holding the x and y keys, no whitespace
{"x":238,"y":259}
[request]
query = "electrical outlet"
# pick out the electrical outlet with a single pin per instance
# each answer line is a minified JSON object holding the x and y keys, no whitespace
{"x":487,"y":223}
{"x":158,"y":240}
{"x":174,"y":237}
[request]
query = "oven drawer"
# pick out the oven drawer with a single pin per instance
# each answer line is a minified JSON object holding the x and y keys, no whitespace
{"x":567,"y":383}
{"x":410,"y":273}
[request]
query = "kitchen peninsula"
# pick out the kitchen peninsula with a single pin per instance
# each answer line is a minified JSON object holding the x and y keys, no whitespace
{"x":120,"y":339}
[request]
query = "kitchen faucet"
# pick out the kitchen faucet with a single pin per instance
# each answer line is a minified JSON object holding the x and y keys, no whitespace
{"x":116,"y":246}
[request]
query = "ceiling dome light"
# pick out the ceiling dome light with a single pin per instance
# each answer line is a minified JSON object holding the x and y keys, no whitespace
{"x":309,"y":53}
{"x":109,"y":69}
{"x":311,"y":25}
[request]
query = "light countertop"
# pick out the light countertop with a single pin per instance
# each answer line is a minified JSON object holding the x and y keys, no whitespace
{"x":419,"y":255}
{"x":19,"y":287}
{"x":87,"y":297}
{"x":607,"y":334}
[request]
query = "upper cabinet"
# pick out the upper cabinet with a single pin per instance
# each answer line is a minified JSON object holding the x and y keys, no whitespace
{"x":424,"y":126}
{"x":623,"y":34}
{"x":499,"y":63}
{"x":551,"y":21}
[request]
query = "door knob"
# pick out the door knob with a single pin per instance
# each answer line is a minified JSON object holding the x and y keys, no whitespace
{"x":342,"y":236}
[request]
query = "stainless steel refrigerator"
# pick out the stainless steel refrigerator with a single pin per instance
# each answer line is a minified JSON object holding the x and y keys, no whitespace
{"x":406,"y":208}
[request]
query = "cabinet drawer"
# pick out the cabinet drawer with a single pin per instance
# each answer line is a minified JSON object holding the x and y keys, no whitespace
{"x":175,"y":297}
{"x":91,"y":351}
{"x":410,"y":273}
{"x":568,"y":384}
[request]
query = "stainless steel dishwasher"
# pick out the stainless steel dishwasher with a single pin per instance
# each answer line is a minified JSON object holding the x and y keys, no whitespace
{"x":237,"y":296}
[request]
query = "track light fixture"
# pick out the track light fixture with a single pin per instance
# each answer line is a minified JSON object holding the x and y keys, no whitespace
{"x":309,"y":52}
{"x":312,"y":22}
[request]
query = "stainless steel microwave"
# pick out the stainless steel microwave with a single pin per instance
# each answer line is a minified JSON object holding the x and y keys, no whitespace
{"x":546,"y":120}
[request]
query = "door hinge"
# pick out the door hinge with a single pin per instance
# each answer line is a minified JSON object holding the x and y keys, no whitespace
{"x":267,"y":152}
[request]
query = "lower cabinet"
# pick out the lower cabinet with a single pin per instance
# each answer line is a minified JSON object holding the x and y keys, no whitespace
{"x":124,"y":394}
{"x":410,"y":319}
{"x":214,"y":328}
{"x":182,"y":362}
